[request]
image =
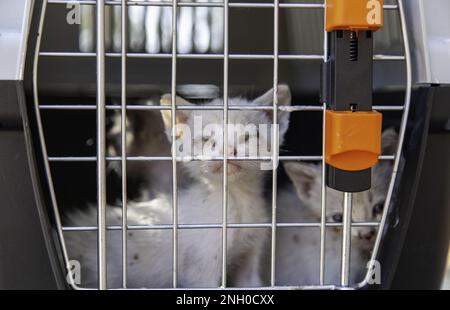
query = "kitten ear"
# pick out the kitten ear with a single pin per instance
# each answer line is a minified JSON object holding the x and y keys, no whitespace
{"x":303,"y":176}
{"x":383,"y":170}
{"x":284,"y":96}
{"x":389,"y":140}
{"x":181,"y":116}
{"x":284,"y":99}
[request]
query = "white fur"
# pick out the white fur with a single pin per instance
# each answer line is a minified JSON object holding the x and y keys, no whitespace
{"x":199,"y":250}
{"x":298,"y":250}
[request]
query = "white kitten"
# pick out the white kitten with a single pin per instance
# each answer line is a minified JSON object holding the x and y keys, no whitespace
{"x":199,"y":250}
{"x":299,"y":248}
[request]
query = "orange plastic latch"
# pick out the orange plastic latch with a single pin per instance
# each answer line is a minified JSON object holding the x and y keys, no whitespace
{"x":352,"y":139}
{"x":354,"y":15}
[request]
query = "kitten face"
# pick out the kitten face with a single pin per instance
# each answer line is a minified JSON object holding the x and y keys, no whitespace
{"x":199,"y":133}
{"x":367,"y":206}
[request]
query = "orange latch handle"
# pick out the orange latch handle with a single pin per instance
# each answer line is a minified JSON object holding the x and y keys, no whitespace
{"x":354,"y":15}
{"x":352,"y":139}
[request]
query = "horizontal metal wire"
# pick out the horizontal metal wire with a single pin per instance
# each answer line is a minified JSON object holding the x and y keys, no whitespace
{"x":184,"y":56}
{"x":388,"y":57}
{"x":196,"y":4}
{"x":210,"y":56}
{"x":293,"y":108}
{"x":209,"y":4}
{"x":228,"y":288}
{"x":194,"y":158}
{"x":216,"y":226}
{"x":189,"y":107}
{"x":234,"y":289}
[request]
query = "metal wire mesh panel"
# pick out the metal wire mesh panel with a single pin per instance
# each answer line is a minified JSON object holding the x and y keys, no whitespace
{"x":221,"y":52}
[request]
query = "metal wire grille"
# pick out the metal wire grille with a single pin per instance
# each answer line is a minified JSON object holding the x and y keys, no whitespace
{"x":101,"y":157}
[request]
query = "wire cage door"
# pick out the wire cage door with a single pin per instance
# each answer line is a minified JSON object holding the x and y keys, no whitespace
{"x":101,"y":159}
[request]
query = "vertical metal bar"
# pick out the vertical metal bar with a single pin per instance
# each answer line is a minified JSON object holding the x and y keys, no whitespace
{"x":174,"y":150}
{"x":123,"y":127}
{"x":346,"y":239}
{"x":323,"y":216}
{"x":225,"y":146}
{"x":275,"y":144}
{"x":101,"y":145}
{"x":43,"y":145}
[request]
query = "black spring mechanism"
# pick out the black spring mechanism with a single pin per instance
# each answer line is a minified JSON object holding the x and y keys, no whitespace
{"x":353,"y":46}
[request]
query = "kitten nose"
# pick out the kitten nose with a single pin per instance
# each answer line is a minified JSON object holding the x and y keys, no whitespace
{"x":367,"y":235}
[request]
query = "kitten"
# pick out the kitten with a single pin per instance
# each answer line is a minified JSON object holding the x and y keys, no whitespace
{"x":299,"y":248}
{"x":145,"y":136}
{"x":199,"y":250}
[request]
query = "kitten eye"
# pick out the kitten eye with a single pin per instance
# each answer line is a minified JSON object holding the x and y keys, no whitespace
{"x":205,"y":139}
{"x":377,"y":209}
{"x":337,"y":217}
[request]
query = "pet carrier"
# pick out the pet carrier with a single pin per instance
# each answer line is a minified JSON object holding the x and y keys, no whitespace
{"x":73,"y":70}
